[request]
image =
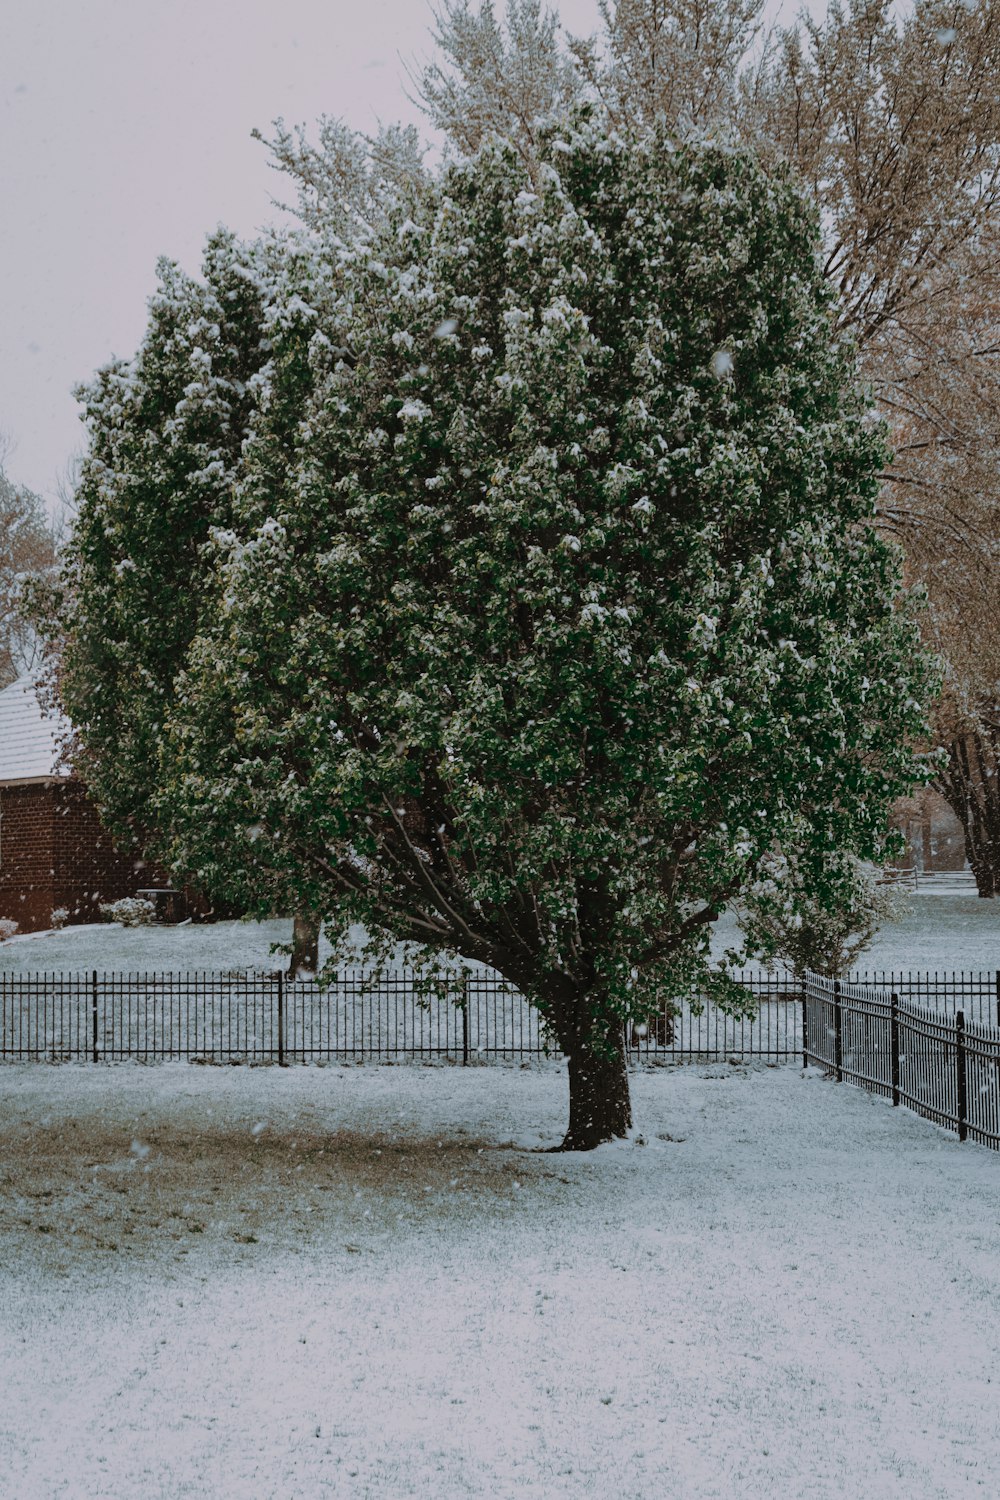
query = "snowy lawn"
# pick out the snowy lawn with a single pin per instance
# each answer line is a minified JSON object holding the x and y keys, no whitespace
{"x":944,"y":930}
{"x":359,"y":1282}
{"x":106,"y":945}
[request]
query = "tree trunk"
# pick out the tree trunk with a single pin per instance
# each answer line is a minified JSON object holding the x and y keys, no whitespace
{"x":600,"y":1108}
{"x":971,"y":787}
{"x":305,"y":945}
{"x":982,"y":871}
{"x":926,"y":840}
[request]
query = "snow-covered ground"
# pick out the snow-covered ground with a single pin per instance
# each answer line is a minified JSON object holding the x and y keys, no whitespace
{"x":106,"y":945}
{"x":945,"y":929}
{"x":361,"y":1282}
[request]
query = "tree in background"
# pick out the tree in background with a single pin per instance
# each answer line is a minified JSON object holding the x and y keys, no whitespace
{"x":969,"y":781}
{"x":945,"y":503}
{"x":347,"y":183}
{"x":892,"y":123}
{"x":493,"y":79}
{"x":676,"y":61}
{"x":26,"y":553}
{"x":673,"y":61}
{"x":895,"y":125}
{"x":574,"y":613}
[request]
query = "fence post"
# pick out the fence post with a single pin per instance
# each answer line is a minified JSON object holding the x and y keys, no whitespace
{"x":894,"y":1045}
{"x":838,"y":1033}
{"x":281,"y":1019}
{"x":465,"y":1020}
{"x":998,"y":995}
{"x":93,"y":1015}
{"x":961,"y":1079}
{"x":805,"y":1022}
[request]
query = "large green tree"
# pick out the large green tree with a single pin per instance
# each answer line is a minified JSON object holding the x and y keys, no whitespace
{"x":569,"y":616}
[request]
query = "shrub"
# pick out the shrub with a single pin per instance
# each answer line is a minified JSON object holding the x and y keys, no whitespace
{"x":789,"y":921}
{"x":60,"y":916}
{"x":7,"y":928}
{"x":130,"y":911}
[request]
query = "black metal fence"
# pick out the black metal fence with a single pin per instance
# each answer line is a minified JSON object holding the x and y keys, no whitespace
{"x":974,"y":991}
{"x":772,"y":1031}
{"x":936,"y":1062}
{"x":253,"y":1016}
{"x":856,"y":1027}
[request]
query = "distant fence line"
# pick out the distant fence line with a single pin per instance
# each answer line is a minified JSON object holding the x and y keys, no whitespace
{"x":889,"y":1040}
{"x":254,"y":1016}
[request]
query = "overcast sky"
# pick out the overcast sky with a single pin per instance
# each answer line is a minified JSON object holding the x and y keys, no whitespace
{"x":125,"y":131}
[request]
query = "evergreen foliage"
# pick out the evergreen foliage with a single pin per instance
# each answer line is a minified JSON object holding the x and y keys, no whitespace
{"x":165,"y":436}
{"x":890,"y":117}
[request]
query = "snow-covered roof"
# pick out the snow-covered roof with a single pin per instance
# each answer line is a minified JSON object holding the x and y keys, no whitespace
{"x":29,"y":747}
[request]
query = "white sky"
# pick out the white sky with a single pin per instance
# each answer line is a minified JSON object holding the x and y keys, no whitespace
{"x":125,"y":135}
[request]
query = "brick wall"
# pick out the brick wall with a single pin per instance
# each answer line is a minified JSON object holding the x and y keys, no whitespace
{"x":26,"y":855}
{"x":88,"y":869}
{"x":54,"y":852}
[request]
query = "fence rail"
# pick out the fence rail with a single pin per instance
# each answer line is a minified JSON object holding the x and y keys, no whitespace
{"x":936,"y":1062}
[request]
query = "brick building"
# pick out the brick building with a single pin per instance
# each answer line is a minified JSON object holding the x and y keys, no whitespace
{"x":53,"y":851}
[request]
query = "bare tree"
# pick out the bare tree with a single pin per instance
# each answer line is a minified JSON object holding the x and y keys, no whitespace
{"x":894,"y":124}
{"x":970,"y":783}
{"x":938,"y":379}
{"x":494,"y":78}
{"x":26,"y":551}
{"x":347,"y":182}
{"x":677,"y":60}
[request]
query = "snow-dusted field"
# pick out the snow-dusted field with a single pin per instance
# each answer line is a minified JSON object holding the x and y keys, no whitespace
{"x":360,"y":1282}
{"x":105,"y":945}
{"x":365,"y":1282}
{"x":945,"y":929}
